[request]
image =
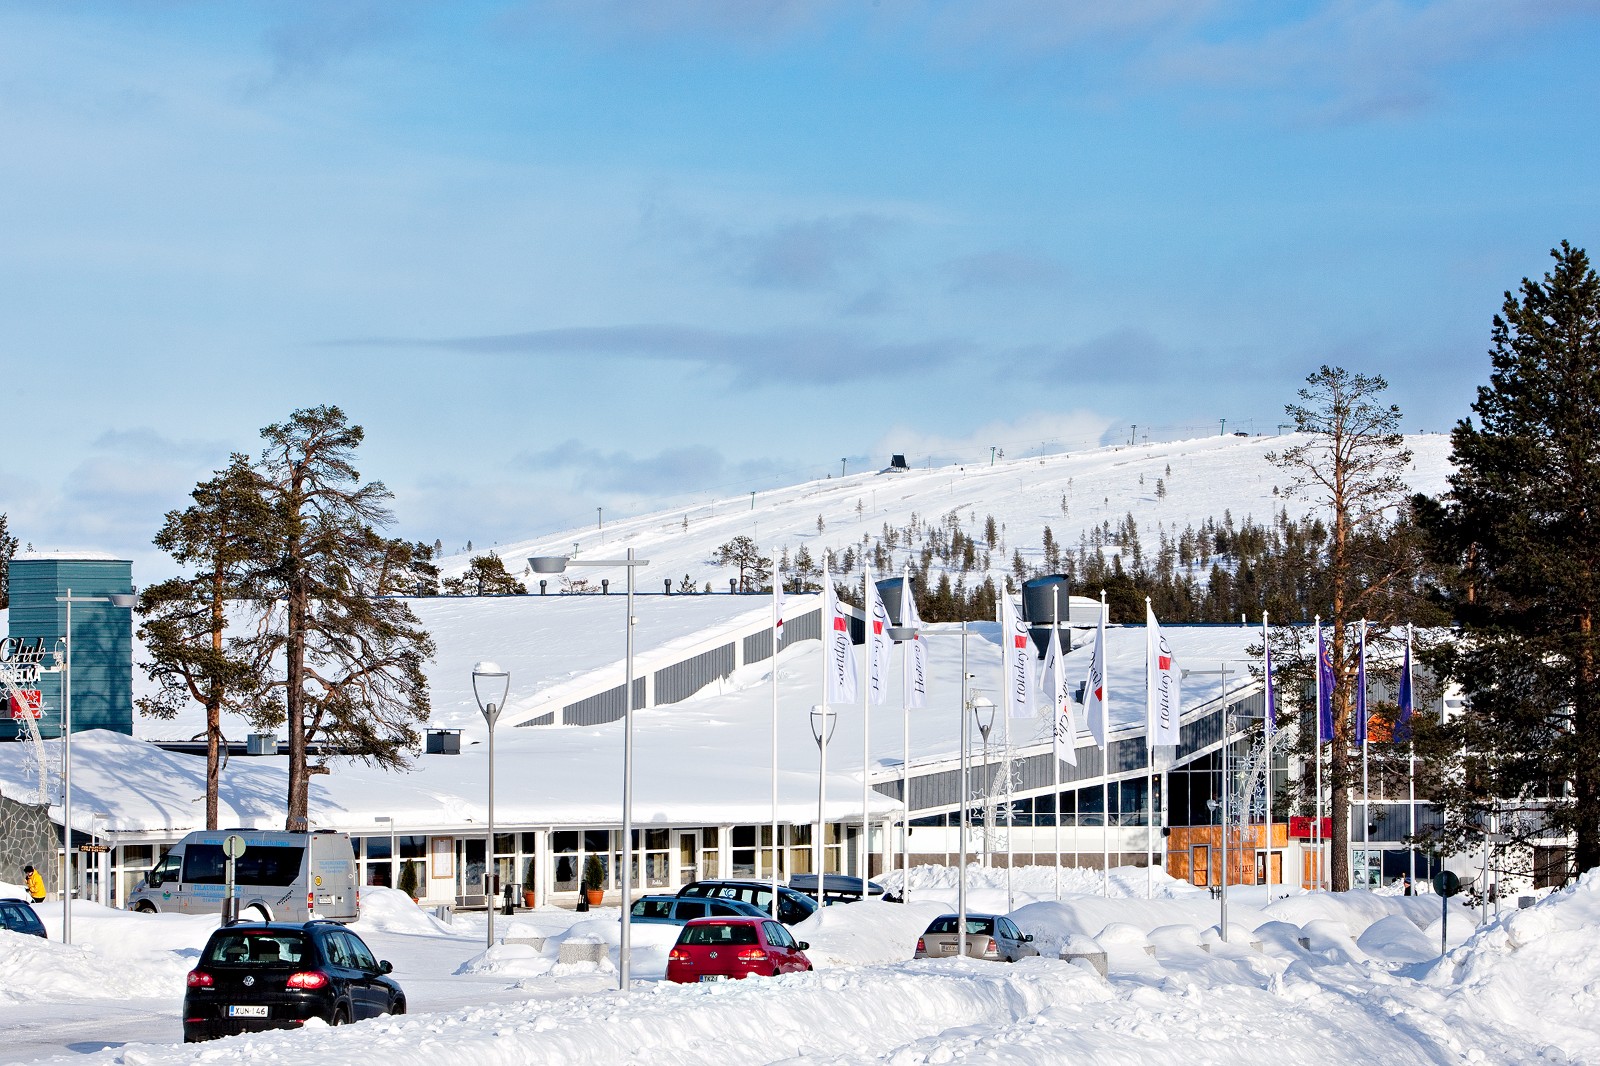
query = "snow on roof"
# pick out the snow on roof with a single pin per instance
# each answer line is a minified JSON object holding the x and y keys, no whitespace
{"x":703,"y":761}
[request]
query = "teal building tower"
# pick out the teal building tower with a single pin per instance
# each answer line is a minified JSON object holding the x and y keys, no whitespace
{"x":102,"y":637}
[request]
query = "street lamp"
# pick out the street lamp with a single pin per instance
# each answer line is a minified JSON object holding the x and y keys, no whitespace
{"x":556,"y":564}
{"x":124,"y":600}
{"x":1227,"y":787}
{"x":822,"y":723}
{"x":490,"y":684}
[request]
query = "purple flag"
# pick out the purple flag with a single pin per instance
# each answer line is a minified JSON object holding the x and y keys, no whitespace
{"x":1325,"y":687}
{"x":1361,"y":688}
{"x":1402,"y":723}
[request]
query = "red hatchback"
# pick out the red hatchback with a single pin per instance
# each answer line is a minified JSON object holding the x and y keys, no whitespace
{"x":725,"y":949}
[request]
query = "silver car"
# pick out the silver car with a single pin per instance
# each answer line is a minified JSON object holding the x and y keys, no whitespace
{"x":989,"y":936}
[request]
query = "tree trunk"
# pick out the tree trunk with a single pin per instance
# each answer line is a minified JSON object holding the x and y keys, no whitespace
{"x":295,"y":664}
{"x":1586,"y":778}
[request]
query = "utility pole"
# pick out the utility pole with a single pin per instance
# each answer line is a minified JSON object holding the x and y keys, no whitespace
{"x":841,"y":466}
{"x":1133,"y":435}
{"x":991,"y":455}
{"x":1223,"y":432}
{"x":752,"y":500}
{"x":599,"y":518}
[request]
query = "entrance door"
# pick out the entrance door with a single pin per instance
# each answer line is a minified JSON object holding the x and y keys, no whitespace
{"x":1200,"y":865}
{"x":688,"y":857}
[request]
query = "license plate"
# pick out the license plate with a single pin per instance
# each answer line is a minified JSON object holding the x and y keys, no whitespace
{"x":322,"y":900}
{"x":713,"y":977}
{"x":947,"y":949}
{"x":246,"y":1011}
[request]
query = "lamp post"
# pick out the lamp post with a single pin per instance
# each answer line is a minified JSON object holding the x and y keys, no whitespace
{"x":1227,"y":788}
{"x":556,"y":564}
{"x":490,"y":684}
{"x":822,"y":723}
{"x":124,"y":600}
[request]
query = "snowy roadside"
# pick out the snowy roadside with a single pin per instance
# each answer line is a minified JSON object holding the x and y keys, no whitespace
{"x":1335,"y":977}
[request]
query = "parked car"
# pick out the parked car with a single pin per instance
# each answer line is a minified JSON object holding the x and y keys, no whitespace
{"x":17,"y":915}
{"x":724,"y":949}
{"x":840,"y":888}
{"x":793,"y":907}
{"x":989,"y":936}
{"x":675,"y":910}
{"x":278,"y":975}
{"x":280,"y":876}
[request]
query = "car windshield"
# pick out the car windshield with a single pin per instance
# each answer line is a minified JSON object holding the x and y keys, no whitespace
{"x":717,"y":933}
{"x":949,"y":924}
{"x":256,"y":948}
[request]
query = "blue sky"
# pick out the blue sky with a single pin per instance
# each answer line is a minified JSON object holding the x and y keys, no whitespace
{"x":571,"y":254}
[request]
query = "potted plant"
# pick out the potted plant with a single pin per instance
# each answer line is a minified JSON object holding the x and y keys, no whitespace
{"x":408,"y":880}
{"x":529,"y":899}
{"x":594,"y":880}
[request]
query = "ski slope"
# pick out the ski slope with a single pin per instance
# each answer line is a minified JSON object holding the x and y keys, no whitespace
{"x":1070,"y":493}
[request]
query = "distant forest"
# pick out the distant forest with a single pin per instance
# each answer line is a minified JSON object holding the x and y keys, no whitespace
{"x":1224,"y":570}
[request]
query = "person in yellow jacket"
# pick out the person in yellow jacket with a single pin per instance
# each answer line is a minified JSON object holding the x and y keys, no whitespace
{"x":34,"y":882}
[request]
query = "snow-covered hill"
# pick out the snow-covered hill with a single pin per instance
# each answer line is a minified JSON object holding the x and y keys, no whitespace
{"x":1165,"y":487}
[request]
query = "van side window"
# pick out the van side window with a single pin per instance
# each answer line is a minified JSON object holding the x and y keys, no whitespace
{"x":202,"y":864}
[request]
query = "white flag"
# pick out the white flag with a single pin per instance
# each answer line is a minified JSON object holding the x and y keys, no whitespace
{"x":1015,"y":655}
{"x":878,"y":640}
{"x":1095,"y":697}
{"x":841,"y":655}
{"x":1059,"y":692}
{"x":1161,"y":682}
{"x":916,"y":664}
{"x":777,"y":610}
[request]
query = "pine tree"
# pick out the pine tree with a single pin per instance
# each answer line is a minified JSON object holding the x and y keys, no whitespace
{"x":345,"y":667}
{"x":486,"y":575}
{"x":1353,"y":463}
{"x":222,"y":537}
{"x":1522,"y":523}
{"x":755,"y":569}
{"x":8,"y":548}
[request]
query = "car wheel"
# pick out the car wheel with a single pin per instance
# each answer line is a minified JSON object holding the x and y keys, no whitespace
{"x":398,"y":1006}
{"x":145,"y":908}
{"x":341,"y":1016}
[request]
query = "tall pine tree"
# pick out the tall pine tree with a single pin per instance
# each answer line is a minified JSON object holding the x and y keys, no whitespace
{"x":221,"y":537}
{"x":342,"y":665}
{"x":1522,"y":523}
{"x":1352,"y":465}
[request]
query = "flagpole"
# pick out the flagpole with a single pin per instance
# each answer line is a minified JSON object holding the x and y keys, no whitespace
{"x":1055,"y":721}
{"x":1316,"y":825}
{"x":777,"y":628}
{"x":868,"y":645}
{"x":1266,"y":661}
{"x":1149,"y":768}
{"x":906,"y":650}
{"x":1105,"y":774}
{"x":1411,"y":776}
{"x":1366,"y":795}
{"x":1005,"y":760}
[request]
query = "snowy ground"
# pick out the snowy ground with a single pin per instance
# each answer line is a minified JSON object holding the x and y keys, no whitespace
{"x":1304,"y":978}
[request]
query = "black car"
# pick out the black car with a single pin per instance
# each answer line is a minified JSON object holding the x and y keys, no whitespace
{"x":17,"y":915}
{"x":276,"y":975}
{"x":793,"y":907}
